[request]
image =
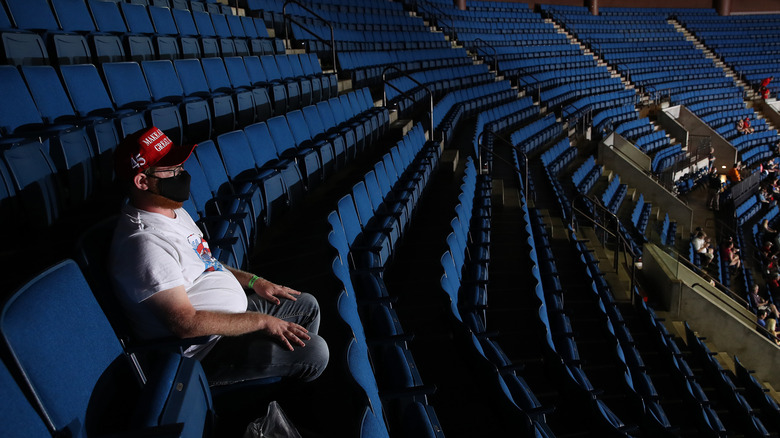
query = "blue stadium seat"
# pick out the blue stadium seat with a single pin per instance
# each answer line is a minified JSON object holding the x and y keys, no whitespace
{"x":193,"y":80}
{"x":78,"y":371}
{"x":304,"y":140}
{"x":266,"y":156}
{"x":188,"y":34}
{"x":258,"y":78}
{"x":164,"y":86}
{"x":239,"y":79}
{"x":166,"y":34}
{"x":219,"y":82}
{"x":129,"y":91}
{"x":307,"y":159}
{"x":274,"y":76}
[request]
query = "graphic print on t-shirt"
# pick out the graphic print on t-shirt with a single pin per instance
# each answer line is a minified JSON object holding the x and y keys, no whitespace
{"x":201,"y":247}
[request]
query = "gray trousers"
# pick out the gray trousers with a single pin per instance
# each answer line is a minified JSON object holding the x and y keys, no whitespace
{"x":254,"y":355}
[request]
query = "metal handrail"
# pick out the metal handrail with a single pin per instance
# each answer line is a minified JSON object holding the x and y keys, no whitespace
{"x":621,"y":239}
{"x":522,"y":153}
{"x":445,"y":14}
{"x":292,"y":20}
{"x":384,"y":94}
{"x":495,"y":52}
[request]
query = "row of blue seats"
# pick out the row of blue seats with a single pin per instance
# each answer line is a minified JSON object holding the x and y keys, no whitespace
{"x":505,"y":53}
{"x":496,"y":6}
{"x":465,"y":102}
{"x":747,"y":141}
{"x":351,"y":5}
{"x":559,"y":156}
{"x":693,"y":84}
{"x":665,"y":54}
{"x":746,"y":210}
{"x":585,"y":177}
{"x":729,"y":116}
{"x":137,"y":33}
{"x":272,"y":165}
{"x":558,"y":95}
{"x":499,"y":118}
{"x":613,"y":116}
{"x":634,"y":128}
{"x":757,"y":154}
{"x":666,"y":158}
{"x":657,"y":66}
{"x":599,"y":101}
{"x":652,"y":142}
{"x":471,"y":39}
{"x":615,"y":48}
{"x":438,"y":80}
{"x":715,"y":106}
{"x":668,"y":231}
{"x":559,"y":77}
{"x":726,"y":389}
{"x":638,"y":391}
{"x":357,"y":40}
{"x":605,"y":38}
{"x":32,"y":193}
{"x":729,"y":131}
{"x":340,"y":18}
{"x":513,"y":26}
{"x":702,"y":409}
{"x":614,"y":194}
{"x":679,"y":74}
{"x":464,"y":281}
{"x":368,"y":67}
{"x":640,"y":216}
{"x":536,"y":134}
{"x":538,"y":65}
{"x":360,"y":224}
{"x":707,"y":95}
{"x":191,"y":99}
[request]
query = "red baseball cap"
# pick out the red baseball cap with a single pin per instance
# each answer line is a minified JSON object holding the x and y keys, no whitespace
{"x":148,"y":147}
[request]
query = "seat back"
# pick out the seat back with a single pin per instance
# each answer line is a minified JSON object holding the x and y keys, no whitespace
{"x":32,"y":15}
{"x":86,"y":90}
{"x":34,"y":179}
{"x":73,"y":15}
{"x":164,"y":84}
{"x":137,"y":18}
{"x":127,"y":85}
{"x":71,"y":347}
{"x":23,"y":114}
{"x":185,"y":23}
{"x":18,"y":417}
{"x":162,"y":20}
{"x":107,"y":17}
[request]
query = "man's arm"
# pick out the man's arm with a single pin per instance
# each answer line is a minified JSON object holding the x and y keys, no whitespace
{"x":174,"y":308}
{"x":264,"y":288}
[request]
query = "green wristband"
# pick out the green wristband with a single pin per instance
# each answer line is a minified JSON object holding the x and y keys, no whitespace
{"x":252,"y":281}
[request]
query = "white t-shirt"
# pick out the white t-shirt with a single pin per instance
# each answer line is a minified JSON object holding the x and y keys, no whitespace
{"x":699,"y":244}
{"x":150,"y":253}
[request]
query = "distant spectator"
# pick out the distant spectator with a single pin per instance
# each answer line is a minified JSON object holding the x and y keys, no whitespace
{"x":714,"y":187}
{"x":730,"y":255}
{"x":701,"y":245}
{"x":768,"y":322}
{"x":734,"y":174}
{"x":760,"y":303}
{"x":764,"y":88}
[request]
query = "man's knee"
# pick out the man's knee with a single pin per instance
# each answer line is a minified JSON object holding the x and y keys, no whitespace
{"x":318,"y":356}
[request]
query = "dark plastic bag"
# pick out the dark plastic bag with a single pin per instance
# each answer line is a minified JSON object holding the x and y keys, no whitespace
{"x":274,"y":425}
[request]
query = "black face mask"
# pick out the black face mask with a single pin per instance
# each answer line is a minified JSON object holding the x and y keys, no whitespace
{"x":176,"y":188}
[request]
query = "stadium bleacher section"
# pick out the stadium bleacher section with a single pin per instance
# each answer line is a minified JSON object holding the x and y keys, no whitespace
{"x":282,"y":133}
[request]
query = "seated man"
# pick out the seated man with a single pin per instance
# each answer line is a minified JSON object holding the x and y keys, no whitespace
{"x":170,"y":284}
{"x":701,"y":245}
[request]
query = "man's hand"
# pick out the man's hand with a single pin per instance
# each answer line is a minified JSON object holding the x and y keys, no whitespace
{"x":270,"y":291}
{"x":288,"y":333}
